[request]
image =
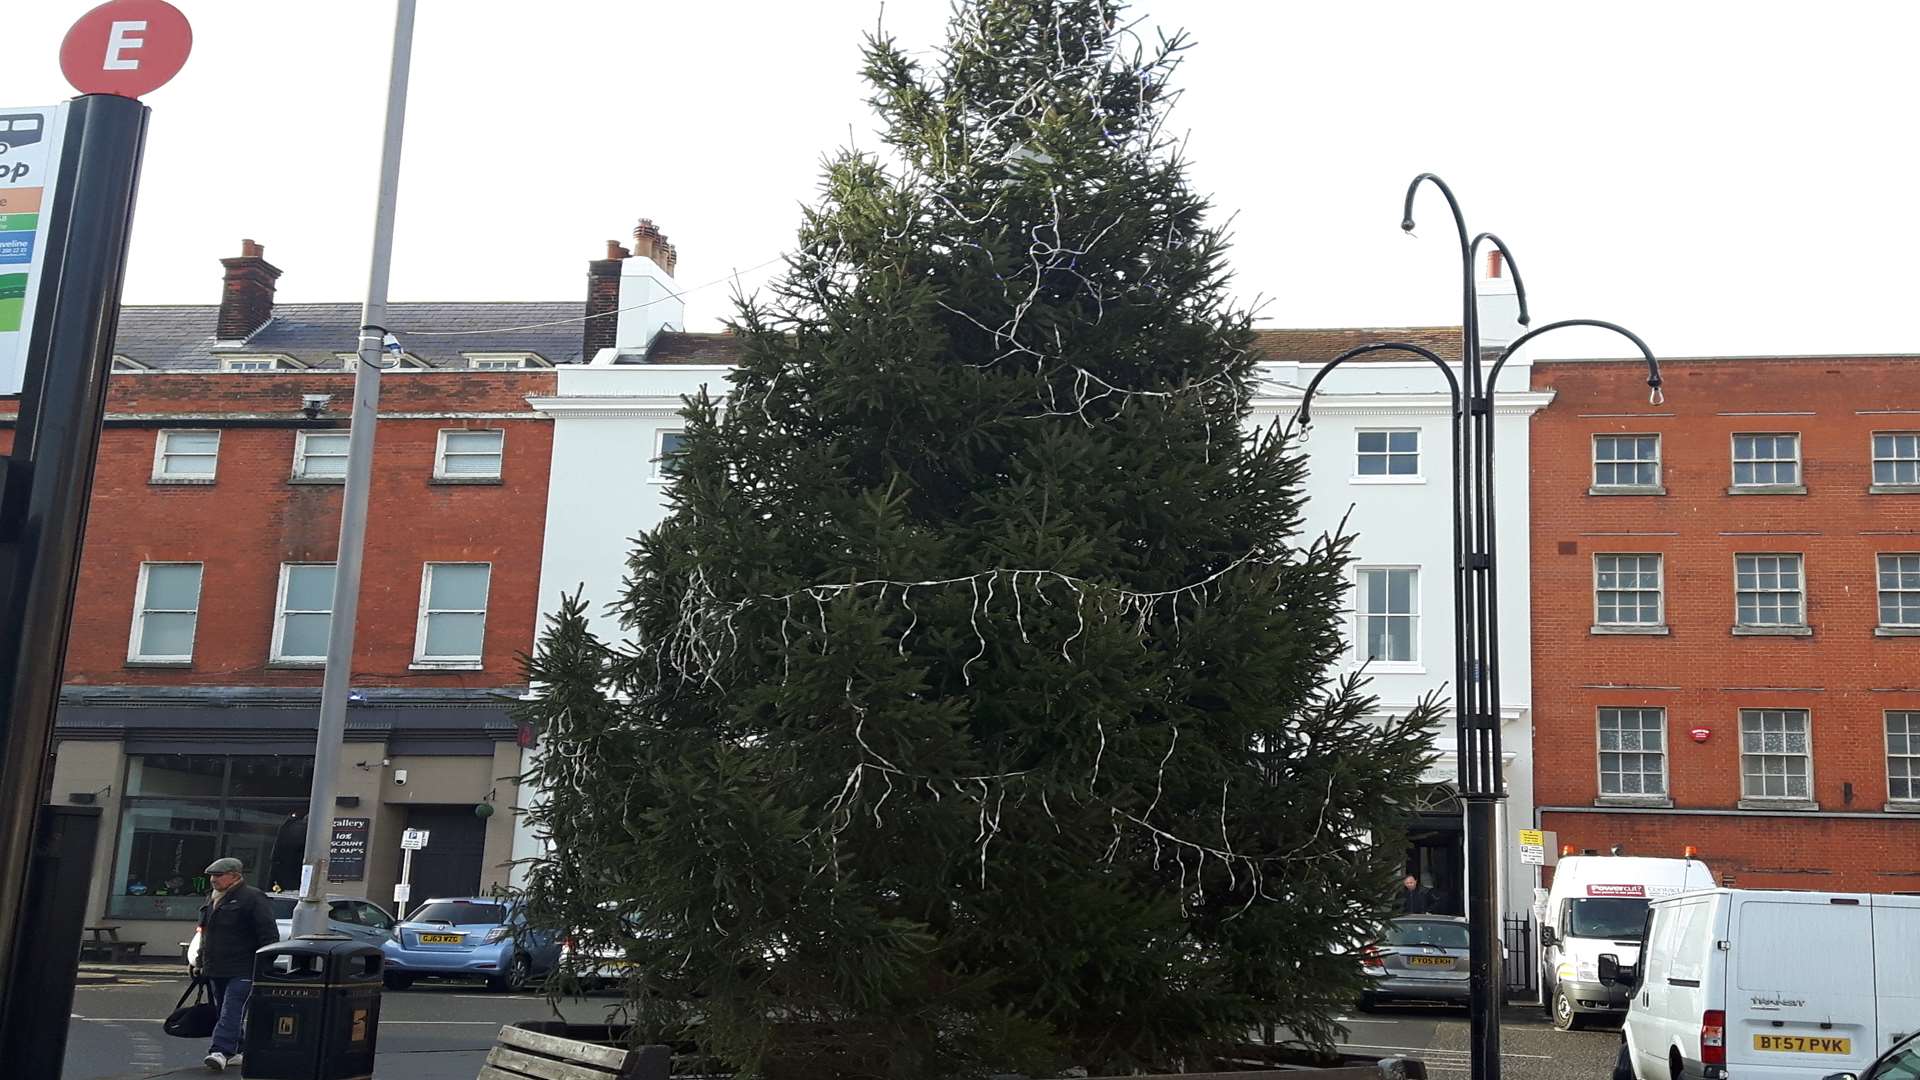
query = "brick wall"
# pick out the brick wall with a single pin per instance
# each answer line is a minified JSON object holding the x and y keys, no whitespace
{"x":1700,"y":672}
{"x":251,"y":519}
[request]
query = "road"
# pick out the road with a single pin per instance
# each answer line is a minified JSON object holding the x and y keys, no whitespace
{"x":434,"y":1032}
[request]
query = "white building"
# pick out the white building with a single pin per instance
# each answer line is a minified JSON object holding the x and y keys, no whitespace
{"x":623,"y":409}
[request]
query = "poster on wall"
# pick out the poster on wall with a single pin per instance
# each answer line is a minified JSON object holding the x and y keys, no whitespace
{"x":347,"y":853}
{"x":29,"y":161}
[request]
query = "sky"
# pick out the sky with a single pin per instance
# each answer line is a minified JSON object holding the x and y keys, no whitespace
{"x":1725,"y":179}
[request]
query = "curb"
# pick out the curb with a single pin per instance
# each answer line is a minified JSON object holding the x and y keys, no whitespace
{"x":89,"y":978}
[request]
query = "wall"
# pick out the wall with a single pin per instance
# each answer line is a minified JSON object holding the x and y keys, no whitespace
{"x":1700,"y":672}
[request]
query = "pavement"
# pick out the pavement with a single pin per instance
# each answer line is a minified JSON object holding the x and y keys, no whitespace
{"x":1530,"y":1048}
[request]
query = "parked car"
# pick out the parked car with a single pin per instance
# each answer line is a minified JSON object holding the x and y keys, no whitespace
{"x":1900,"y":1062}
{"x":468,"y":937}
{"x":1421,"y":958}
{"x":1598,"y":904}
{"x":1771,"y":985}
{"x":596,"y":959}
{"x":357,"y":918}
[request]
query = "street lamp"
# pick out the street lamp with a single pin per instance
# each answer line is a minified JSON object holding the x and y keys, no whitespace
{"x":1476,"y":617}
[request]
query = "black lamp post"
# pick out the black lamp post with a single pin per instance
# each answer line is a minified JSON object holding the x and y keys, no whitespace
{"x":1476,"y":616}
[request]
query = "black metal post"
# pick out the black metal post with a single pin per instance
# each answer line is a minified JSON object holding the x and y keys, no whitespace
{"x":1476,"y":616}
{"x":43,"y":509}
{"x":36,"y":1032}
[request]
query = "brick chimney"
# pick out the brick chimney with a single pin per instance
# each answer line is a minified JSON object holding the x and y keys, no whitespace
{"x":650,"y":303}
{"x":246,"y":296}
{"x":603,"y":299}
{"x":650,"y":243}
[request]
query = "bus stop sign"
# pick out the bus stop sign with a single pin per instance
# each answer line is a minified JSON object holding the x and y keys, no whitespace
{"x":126,"y":48}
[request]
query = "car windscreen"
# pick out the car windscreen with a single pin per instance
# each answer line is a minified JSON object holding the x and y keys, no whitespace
{"x":1615,"y":918}
{"x":282,"y":906}
{"x":1445,"y":935}
{"x":460,"y":913}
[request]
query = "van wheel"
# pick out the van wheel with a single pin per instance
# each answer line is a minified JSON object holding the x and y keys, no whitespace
{"x":1564,"y":1018}
{"x":1623,"y":1065}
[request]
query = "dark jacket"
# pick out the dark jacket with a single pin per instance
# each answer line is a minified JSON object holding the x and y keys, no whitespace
{"x":1420,"y":901}
{"x":241,"y":924}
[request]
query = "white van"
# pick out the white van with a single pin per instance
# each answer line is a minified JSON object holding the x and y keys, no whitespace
{"x":1598,"y":904}
{"x":1772,"y":985}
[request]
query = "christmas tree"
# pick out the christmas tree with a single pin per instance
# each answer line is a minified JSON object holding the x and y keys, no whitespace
{"x":978,"y":711}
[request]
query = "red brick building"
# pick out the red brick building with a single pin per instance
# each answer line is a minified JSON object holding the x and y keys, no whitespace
{"x":1726,"y":616}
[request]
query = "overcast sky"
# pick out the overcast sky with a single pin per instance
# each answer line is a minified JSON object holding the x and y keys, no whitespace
{"x":1725,"y":178}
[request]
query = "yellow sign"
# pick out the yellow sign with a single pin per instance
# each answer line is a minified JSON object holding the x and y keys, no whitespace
{"x":359,"y":1026}
{"x":1532,"y":838}
{"x":1803,"y":1044}
{"x":283,"y":1026}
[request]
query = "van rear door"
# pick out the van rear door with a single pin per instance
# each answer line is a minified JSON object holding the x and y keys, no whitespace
{"x":1799,"y":997}
{"x":1896,"y":947}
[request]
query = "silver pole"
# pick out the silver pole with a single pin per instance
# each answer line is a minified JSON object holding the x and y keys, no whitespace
{"x":310,"y":915}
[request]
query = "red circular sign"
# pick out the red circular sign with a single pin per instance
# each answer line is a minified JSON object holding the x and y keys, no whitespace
{"x":127,"y":48}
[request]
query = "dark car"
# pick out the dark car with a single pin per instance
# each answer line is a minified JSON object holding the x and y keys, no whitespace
{"x":1900,"y":1062}
{"x":1421,"y":958}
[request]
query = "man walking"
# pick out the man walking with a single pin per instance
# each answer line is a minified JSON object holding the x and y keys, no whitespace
{"x":236,"y":921}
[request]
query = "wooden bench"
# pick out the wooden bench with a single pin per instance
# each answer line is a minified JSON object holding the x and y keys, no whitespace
{"x":105,"y":944}
{"x":524,"y":1053}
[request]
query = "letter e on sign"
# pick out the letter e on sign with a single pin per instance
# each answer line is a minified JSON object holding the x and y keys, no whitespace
{"x":126,"y":48}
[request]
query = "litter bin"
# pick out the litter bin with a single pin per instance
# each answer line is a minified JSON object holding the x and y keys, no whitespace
{"x":315,"y":1009}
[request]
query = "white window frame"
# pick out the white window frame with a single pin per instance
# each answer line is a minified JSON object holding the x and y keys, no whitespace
{"x":300,"y":456}
{"x":1413,"y":665}
{"x":127,"y":365}
{"x":140,"y":613}
{"x":661,"y":473}
{"x":440,"y":456}
{"x":160,"y":455}
{"x":1896,"y":459}
{"x":1600,"y":728}
{"x":1910,"y":722}
{"x":1800,"y":573}
{"x":1907,"y":598}
{"x":280,"y":612}
{"x":504,"y":361}
{"x":1658,"y":473}
{"x":1734,"y":461}
{"x":1414,"y":477}
{"x":455,"y":663}
{"x":1659,"y":590}
{"x":1760,"y":715}
{"x":255,"y":363}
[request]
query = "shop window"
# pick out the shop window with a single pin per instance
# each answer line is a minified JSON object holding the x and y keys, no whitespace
{"x":183,"y":811}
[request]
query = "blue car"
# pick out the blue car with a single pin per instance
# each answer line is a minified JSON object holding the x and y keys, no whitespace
{"x":468,"y":938}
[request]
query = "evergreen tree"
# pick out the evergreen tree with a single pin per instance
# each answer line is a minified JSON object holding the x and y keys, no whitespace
{"x":978,"y":712}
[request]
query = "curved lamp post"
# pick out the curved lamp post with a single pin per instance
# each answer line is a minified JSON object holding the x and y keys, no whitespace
{"x":1476,"y":616}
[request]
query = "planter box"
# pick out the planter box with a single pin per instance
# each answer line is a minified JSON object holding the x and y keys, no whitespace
{"x":550,"y":1050}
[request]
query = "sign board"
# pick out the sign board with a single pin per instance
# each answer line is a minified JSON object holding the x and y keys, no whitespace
{"x":347,"y":853}
{"x":29,"y":162}
{"x":1533,"y":847}
{"x":414,"y":839}
{"x":126,"y":48}
{"x":1629,"y":891}
{"x":402,"y":893}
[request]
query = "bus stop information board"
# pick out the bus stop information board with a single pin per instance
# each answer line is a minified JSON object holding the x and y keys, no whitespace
{"x":29,"y":161}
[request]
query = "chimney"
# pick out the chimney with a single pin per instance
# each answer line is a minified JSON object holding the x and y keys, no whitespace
{"x":1499,"y":304}
{"x":603,"y":299}
{"x":246,"y":296}
{"x":649,"y":301}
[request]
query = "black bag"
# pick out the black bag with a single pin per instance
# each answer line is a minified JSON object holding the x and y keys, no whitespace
{"x":194,"y":1021}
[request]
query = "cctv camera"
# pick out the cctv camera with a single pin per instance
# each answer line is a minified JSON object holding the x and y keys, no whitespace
{"x":314,"y":404}
{"x":400,"y":777}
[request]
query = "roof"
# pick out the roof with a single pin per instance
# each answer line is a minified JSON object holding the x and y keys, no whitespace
{"x":681,"y":347}
{"x":180,"y":337}
{"x":1319,"y":346}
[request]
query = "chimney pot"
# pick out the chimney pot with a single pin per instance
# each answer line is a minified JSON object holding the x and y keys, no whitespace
{"x":246,"y":293}
{"x":251,"y":250}
{"x":1496,"y":263}
{"x":617,"y":250}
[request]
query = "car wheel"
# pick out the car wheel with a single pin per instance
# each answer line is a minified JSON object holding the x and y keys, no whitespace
{"x":1623,"y":1065}
{"x":518,"y":970}
{"x":1369,"y":1003}
{"x":1564,"y":1018}
{"x":395,"y":980}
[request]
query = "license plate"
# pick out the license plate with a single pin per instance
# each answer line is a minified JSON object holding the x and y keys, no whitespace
{"x":1803,"y":1044}
{"x":442,"y":939}
{"x":1430,"y":961}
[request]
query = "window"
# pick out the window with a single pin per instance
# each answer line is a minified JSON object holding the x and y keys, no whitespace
{"x":511,"y":361}
{"x":181,"y":456}
{"x":1900,"y":590}
{"x":320,"y":455}
{"x":453,"y":614}
{"x":184,"y":810}
{"x":1896,"y":458}
{"x":252,"y":363}
{"x":1767,"y":591}
{"x":166,"y":610}
{"x":1623,"y":461}
{"x":128,"y":363}
{"x":1903,"y":756}
{"x":1633,"y":752}
{"x":1388,"y":454}
{"x":1389,"y":613}
{"x":1766,"y":461}
{"x":303,"y":619}
{"x":469,"y":454}
{"x":1626,"y":590}
{"x":666,"y":463}
{"x":1776,"y":757}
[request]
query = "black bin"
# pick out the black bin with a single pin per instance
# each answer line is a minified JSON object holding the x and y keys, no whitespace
{"x":315,"y":1009}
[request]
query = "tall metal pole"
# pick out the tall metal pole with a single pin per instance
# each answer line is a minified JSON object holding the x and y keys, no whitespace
{"x":1476,"y":617}
{"x":310,"y":914}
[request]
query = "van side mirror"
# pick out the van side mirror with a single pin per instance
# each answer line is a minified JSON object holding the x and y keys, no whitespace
{"x":1615,"y":973}
{"x":1546,"y":937}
